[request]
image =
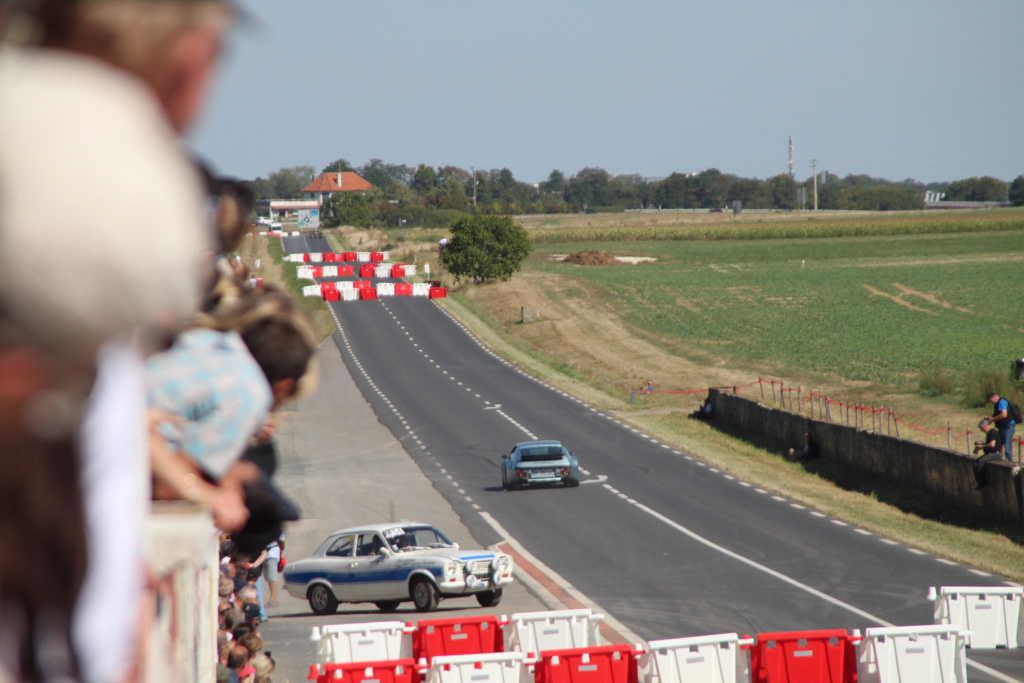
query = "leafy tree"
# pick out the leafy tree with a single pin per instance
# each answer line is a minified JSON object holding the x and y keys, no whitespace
{"x":629,"y":191}
{"x":287,"y":183}
{"x":880,"y":198}
{"x":674,"y":192}
{"x":424,"y":180}
{"x":350,"y":208}
{"x":555,"y":184}
{"x":783,"y":191}
{"x":589,"y":188}
{"x":485,"y":248}
{"x":711,"y":188}
{"x":984,"y":189}
{"x":385,"y":176}
{"x":1017,"y":191}
{"x":751,"y":192}
{"x":447,"y":172}
{"x":450,"y":195}
{"x":338,"y":165}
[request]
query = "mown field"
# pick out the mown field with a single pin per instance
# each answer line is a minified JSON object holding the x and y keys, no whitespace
{"x":866,"y":309}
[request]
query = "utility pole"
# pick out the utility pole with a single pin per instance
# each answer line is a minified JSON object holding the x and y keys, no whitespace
{"x":814,"y":167}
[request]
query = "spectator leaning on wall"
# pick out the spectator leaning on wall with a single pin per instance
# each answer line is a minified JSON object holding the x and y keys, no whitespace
{"x":991,"y":446}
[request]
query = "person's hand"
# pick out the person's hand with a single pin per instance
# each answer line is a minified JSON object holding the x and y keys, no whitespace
{"x":228,"y":507}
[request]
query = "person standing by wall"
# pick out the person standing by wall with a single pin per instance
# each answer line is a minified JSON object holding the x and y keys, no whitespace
{"x":991,"y":448}
{"x":1003,"y":421}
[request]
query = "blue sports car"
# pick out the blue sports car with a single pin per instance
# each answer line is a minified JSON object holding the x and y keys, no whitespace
{"x":388,"y":564}
{"x":539,"y":462}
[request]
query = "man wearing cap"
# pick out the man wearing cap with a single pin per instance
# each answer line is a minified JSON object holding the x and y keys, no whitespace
{"x":991,"y":447}
{"x":1003,"y":422}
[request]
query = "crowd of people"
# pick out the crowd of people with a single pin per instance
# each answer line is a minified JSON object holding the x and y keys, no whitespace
{"x":241,"y":610}
{"x":152,"y":367}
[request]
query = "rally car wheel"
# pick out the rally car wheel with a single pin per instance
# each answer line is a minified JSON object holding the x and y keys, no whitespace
{"x":424,"y":595}
{"x":489,"y":598}
{"x":322,"y":600}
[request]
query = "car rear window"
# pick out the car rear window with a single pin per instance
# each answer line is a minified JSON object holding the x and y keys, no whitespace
{"x":541,"y":454}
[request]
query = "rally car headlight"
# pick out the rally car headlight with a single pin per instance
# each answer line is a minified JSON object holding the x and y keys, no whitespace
{"x":451,"y":569}
{"x":504,"y":563}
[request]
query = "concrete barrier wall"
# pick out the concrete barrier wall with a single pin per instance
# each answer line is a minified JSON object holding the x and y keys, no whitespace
{"x":181,"y":631}
{"x":942,"y":473}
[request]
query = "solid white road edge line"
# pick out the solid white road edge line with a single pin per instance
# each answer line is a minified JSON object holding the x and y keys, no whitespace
{"x":566,"y":586}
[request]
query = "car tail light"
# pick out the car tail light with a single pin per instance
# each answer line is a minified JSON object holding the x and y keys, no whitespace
{"x":521,"y":473}
{"x":563,"y":472}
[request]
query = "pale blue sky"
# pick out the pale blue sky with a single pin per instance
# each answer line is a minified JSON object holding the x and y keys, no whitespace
{"x":925,"y":89}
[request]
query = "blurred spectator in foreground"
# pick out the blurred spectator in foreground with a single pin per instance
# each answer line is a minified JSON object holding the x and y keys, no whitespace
{"x":133,"y":73}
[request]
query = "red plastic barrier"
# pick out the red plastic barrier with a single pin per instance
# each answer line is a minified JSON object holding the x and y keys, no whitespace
{"x":376,"y":256}
{"x":367,"y":270}
{"x":328,"y":287}
{"x":458,"y":636}
{"x":438,"y":292}
{"x":330,"y":257}
{"x":305,"y":258}
{"x":368,"y":293}
{"x":403,"y":289}
{"x":827,"y":656}
{"x":601,"y":664}
{"x":397,"y":271}
{"x":316,"y":271}
{"x":390,"y":671}
{"x":360,"y":284}
{"x":332,"y":295}
{"x":345,"y":270}
{"x":348,"y":256}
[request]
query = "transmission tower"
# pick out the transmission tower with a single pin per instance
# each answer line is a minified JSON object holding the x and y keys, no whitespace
{"x":792,"y":170}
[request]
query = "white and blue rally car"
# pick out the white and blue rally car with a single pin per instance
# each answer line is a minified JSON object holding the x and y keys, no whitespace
{"x":389,"y":563}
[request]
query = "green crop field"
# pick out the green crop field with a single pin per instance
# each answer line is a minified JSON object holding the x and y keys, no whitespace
{"x":872,"y":308}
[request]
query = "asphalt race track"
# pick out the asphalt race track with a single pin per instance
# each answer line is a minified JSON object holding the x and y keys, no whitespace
{"x":668,"y":545}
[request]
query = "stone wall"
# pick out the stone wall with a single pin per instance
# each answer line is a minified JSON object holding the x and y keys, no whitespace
{"x":942,"y":473}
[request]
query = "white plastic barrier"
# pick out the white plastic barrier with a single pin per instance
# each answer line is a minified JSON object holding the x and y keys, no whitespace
{"x":534,"y":632}
{"x":304,"y":272}
{"x":371,"y":642}
{"x":385,"y":289}
{"x":316,"y":257}
{"x":990,"y":616}
{"x":708,"y":659}
{"x":421,"y":289}
{"x":912,"y":654}
{"x":409,"y":269}
{"x":385,"y":255}
{"x":349,"y":293}
{"x":382,"y":271}
{"x":493,"y":667}
{"x":363,"y":256}
{"x":311,"y":290}
{"x":345,"y":284}
{"x":330,"y":271}
{"x":295,"y":258}
{"x":294,"y":233}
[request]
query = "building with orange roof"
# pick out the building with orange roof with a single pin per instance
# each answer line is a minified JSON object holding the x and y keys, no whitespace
{"x":326,"y":184}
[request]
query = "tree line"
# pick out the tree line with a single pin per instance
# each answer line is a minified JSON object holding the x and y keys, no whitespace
{"x":428,"y":196}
